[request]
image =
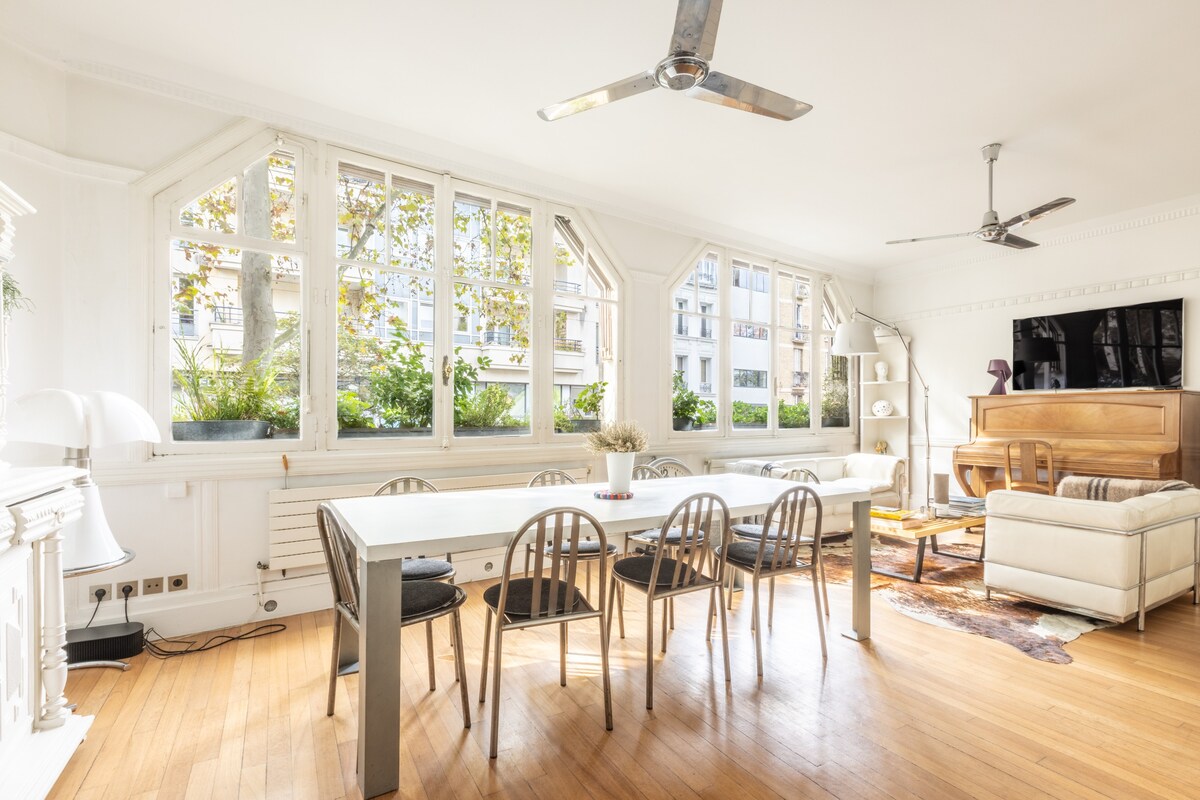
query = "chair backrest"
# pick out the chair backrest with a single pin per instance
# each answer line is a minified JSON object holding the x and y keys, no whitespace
{"x":1029,"y":452}
{"x":787,"y":515}
{"x":694,"y":517}
{"x":551,"y":477}
{"x":802,"y":475}
{"x":671,"y":467}
{"x":551,"y":530}
{"x":645,"y":472}
{"x":341,"y":559}
{"x":405,"y":484}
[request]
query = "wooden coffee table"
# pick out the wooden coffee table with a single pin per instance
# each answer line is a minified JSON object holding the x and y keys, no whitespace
{"x":927,"y":532}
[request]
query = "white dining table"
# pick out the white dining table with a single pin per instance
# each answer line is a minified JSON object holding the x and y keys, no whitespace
{"x":387,"y":529}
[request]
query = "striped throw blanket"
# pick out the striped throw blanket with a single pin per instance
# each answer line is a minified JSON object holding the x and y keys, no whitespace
{"x":1113,"y":489}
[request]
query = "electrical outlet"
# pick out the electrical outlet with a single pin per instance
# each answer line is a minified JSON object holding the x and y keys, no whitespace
{"x":105,"y":587}
{"x":133,"y":587}
{"x":152,"y":585}
{"x":177,"y":583}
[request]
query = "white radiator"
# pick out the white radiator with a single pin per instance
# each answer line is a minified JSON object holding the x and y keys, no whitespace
{"x":292,"y":513}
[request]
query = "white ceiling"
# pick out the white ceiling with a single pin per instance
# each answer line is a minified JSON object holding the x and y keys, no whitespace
{"x":1095,"y":99}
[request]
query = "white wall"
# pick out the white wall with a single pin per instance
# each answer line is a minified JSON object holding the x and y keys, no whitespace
{"x":959,"y":308}
{"x":77,"y":155}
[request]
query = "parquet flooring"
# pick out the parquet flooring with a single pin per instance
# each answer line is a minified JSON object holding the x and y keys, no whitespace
{"x":918,"y":712}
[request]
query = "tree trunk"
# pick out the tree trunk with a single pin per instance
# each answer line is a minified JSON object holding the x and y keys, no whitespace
{"x":254,"y":282}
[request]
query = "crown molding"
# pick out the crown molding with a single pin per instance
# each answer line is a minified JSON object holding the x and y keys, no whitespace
{"x":76,"y":167}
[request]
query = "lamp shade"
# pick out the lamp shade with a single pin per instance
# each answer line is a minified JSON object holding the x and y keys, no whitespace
{"x":855,"y":338}
{"x":1036,"y":349}
{"x":90,"y":419}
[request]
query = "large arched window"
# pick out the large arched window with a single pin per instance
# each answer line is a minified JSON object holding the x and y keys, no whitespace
{"x":430,"y":311}
{"x":757,"y":317}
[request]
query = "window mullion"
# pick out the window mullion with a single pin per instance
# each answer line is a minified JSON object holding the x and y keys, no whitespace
{"x":443,"y":311}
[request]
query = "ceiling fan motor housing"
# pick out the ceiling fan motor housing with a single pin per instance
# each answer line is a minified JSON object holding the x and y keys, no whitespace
{"x":681,"y":71}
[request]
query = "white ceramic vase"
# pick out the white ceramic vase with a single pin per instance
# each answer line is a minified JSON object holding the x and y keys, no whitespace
{"x":620,"y":471}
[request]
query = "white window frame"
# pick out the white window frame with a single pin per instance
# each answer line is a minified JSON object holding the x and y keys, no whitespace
{"x":166,"y":206}
{"x":724,"y":321}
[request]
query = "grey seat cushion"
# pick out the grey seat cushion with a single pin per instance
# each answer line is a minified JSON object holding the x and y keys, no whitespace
{"x":422,"y":597}
{"x":519,"y":602}
{"x":424,"y":569}
{"x":744,"y":554}
{"x":674,"y":535}
{"x":589,"y":547}
{"x":638,"y":568}
{"x":750,"y":531}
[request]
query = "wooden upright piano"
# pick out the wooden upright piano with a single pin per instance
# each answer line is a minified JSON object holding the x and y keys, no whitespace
{"x":1153,"y":435}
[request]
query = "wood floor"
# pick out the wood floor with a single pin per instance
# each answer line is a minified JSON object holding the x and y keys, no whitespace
{"x":919,"y":712}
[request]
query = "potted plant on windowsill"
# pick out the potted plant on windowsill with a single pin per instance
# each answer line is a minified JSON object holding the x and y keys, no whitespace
{"x":222,"y":404}
{"x":583,"y":414}
{"x":684,"y":403}
{"x":620,"y":442}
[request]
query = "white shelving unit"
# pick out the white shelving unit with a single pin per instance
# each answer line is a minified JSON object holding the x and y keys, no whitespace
{"x":893,"y":429}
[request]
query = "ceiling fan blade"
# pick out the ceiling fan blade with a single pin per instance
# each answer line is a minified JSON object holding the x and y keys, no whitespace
{"x":1015,"y":242}
{"x":728,"y":91}
{"x":636,"y":84}
{"x":696,"y":27}
{"x":930,"y":238}
{"x":1039,"y":212}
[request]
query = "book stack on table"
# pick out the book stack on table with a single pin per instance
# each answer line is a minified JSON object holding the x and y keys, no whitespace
{"x":895,"y":518}
{"x":961,"y":506}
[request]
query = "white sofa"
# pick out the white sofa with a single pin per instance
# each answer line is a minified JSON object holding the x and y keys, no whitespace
{"x":1114,"y":561}
{"x":883,"y":476}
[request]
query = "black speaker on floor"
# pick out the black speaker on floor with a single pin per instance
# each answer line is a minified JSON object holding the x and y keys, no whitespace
{"x":105,"y":642}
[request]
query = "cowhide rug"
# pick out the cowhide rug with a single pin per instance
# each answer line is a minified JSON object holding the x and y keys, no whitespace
{"x":950,"y":595}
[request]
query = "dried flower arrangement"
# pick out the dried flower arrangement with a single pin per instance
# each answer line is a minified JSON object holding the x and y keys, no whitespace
{"x":617,"y":437}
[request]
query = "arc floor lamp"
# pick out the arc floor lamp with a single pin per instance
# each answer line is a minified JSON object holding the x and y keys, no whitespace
{"x":856,"y":337}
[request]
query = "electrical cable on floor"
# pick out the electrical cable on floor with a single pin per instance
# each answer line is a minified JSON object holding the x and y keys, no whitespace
{"x":156,"y":648}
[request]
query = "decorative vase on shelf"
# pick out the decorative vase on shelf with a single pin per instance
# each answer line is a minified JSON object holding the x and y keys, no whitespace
{"x":620,"y":471}
{"x":881,"y":371}
{"x":882,"y":408}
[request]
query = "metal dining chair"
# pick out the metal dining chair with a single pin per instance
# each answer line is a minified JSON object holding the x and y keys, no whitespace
{"x":518,"y":603}
{"x":779,"y":554}
{"x":589,"y":549}
{"x":421,"y":568}
{"x":753,"y":531}
{"x":645,"y":472}
{"x":663,"y":578}
{"x":671,"y":467}
{"x":420,"y":601}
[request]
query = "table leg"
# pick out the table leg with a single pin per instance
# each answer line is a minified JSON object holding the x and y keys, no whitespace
{"x":917,"y":568}
{"x":379,"y":677}
{"x":860,"y":587}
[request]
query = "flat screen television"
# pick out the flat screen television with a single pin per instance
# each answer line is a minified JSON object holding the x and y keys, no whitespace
{"x":1105,"y":348}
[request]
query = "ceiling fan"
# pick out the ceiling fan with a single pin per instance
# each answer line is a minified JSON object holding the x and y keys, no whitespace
{"x":992,"y":230}
{"x":686,"y":69}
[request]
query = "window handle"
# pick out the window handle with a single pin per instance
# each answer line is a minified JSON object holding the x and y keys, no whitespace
{"x":447,"y":371}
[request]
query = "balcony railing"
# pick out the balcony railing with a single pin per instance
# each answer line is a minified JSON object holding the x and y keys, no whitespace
{"x":183,"y":323}
{"x":802,"y":334}
{"x":706,"y":331}
{"x":568,"y":345}
{"x":706,"y":388}
{"x":567,"y":287}
{"x":227,"y":315}
{"x":747,"y":331}
{"x":501,"y":338}
{"x":799,"y":382}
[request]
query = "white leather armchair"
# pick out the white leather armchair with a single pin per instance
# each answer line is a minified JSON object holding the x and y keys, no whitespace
{"x":1114,"y":561}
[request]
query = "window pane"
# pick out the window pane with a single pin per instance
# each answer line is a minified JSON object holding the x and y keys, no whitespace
{"x":492,"y":369}
{"x":793,"y":362}
{"x":385,"y":354}
{"x":361,"y":200}
{"x":410,"y":220}
{"x":236,"y":351}
{"x":269,"y":198}
{"x":751,"y":297}
{"x":693,"y":360}
{"x":751,"y":389}
{"x":472,"y":237}
{"x":835,"y":389}
{"x":514,"y":245}
{"x":215,"y":210}
{"x":699,"y":287}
